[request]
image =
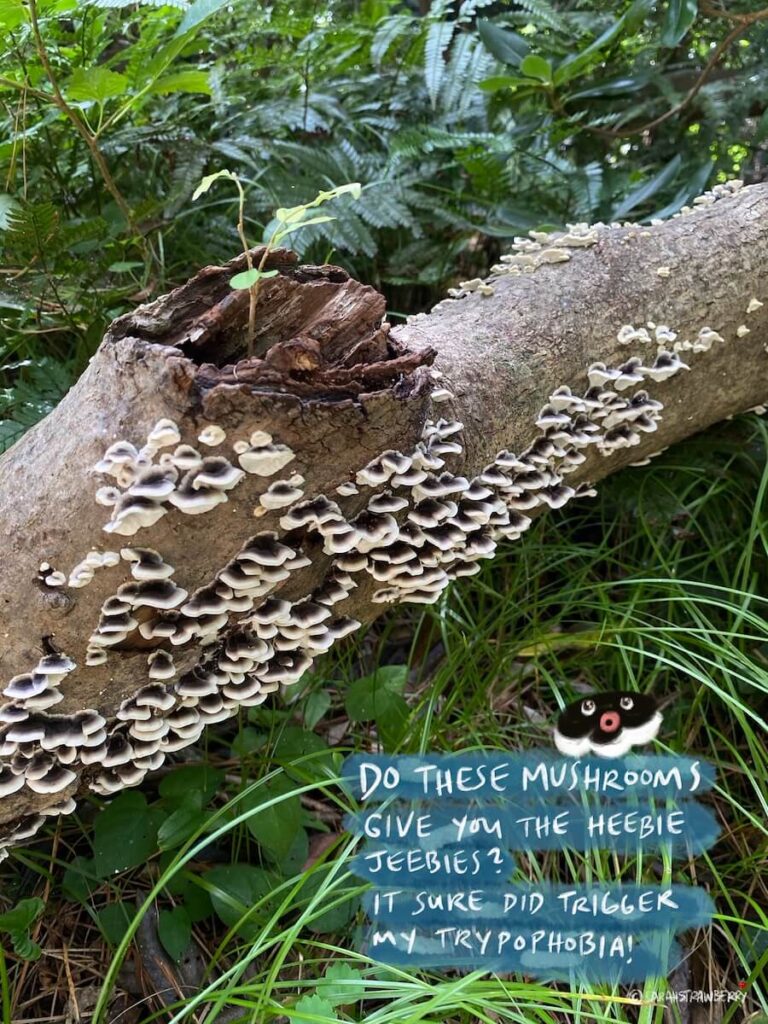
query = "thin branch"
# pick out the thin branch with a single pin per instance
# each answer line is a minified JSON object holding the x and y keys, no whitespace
{"x":76,"y":120}
{"x":743,"y":22}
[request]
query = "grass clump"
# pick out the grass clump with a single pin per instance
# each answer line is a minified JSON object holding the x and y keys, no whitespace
{"x":224,"y":883}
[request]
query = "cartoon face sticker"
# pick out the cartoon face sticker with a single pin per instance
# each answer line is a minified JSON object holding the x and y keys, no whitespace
{"x":607,"y":724}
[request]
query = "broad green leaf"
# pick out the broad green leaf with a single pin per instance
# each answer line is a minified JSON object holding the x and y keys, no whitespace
{"x":174,"y":929}
{"x":109,"y":4}
{"x":648,"y":188}
{"x":188,"y":890}
{"x":392,"y":720}
{"x":199,"y":12}
{"x":248,"y":278}
{"x":234,"y":888}
{"x":296,"y":857}
{"x":621,"y":86}
{"x":114,"y":920}
{"x":282,"y":233}
{"x":11,"y":14}
{"x":202,"y":779}
{"x":679,"y":17}
{"x":123,"y":266}
{"x":335,"y":918}
{"x":179,"y":826}
{"x":695,"y":184}
{"x":340,"y":984}
{"x":16,"y":923}
{"x":291,"y":214}
{"x":125,"y":834}
{"x":191,"y":80}
{"x":294,"y":214}
{"x":536,"y":67}
{"x":294,"y":743}
{"x":372,"y":695}
{"x":209,"y":179}
{"x":311,"y":1010}
{"x":80,"y":879}
{"x":25,"y":946}
{"x":497,"y":82}
{"x":315,"y":706}
{"x":577,"y":62}
{"x":275,"y":828}
{"x":23,"y":915}
{"x":247,"y":740}
{"x":505,"y":45}
{"x":352,"y":188}
{"x":95,"y":85}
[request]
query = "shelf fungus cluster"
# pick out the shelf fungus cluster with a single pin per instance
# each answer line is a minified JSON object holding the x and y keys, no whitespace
{"x":540,"y":248}
{"x":404,"y":525}
{"x":151,"y":481}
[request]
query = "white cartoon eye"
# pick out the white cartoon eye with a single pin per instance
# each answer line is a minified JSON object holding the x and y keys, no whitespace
{"x":626,"y":703}
{"x":587,"y":707}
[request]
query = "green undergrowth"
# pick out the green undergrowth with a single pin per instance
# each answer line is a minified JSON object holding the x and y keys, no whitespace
{"x":232,"y":866}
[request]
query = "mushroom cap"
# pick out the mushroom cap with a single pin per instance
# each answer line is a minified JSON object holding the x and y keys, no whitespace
{"x":161,"y":665}
{"x":279,"y":494}
{"x":259,"y":438}
{"x":214,"y":471}
{"x":351,"y":561}
{"x":199,"y":682}
{"x":54,"y":780}
{"x":46,"y":699}
{"x":312,"y":512}
{"x":146,"y":563}
{"x":9,"y":782}
{"x":185,"y":457}
{"x":266,"y":459}
{"x":107,"y":496}
{"x":27,"y":684}
{"x":118,"y":454}
{"x":153,"y":593}
{"x":212,"y":435}
{"x":430,"y":512}
{"x":346,"y":489}
{"x":307,"y":613}
{"x":55,"y":664}
{"x":154,"y":482}
{"x":265,"y":549}
{"x":163,"y":434}
{"x":195,"y":503}
{"x":375,"y":529}
{"x":387,"y":502}
{"x":134,"y":512}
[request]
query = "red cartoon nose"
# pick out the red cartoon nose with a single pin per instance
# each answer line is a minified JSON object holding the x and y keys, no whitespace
{"x":609,"y":721}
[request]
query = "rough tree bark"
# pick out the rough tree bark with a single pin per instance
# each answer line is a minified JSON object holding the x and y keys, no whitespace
{"x":111,"y":661}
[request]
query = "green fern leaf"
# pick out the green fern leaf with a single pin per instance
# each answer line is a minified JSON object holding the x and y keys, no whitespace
{"x":439,"y":37}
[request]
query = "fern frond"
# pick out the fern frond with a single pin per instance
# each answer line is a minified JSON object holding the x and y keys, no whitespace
{"x":439,"y":35}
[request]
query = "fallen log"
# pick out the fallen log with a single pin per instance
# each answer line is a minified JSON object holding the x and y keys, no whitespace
{"x":190,"y":528}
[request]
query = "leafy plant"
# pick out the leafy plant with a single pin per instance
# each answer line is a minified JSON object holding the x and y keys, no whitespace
{"x":288,"y":221}
{"x":16,"y":923}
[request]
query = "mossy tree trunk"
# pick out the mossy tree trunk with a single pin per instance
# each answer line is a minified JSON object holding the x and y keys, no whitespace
{"x":344,"y":467}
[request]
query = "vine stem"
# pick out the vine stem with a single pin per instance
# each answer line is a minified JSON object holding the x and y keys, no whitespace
{"x":253,"y":291}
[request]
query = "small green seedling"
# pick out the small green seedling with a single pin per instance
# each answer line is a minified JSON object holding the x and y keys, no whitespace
{"x":16,"y":924}
{"x":289,"y":220}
